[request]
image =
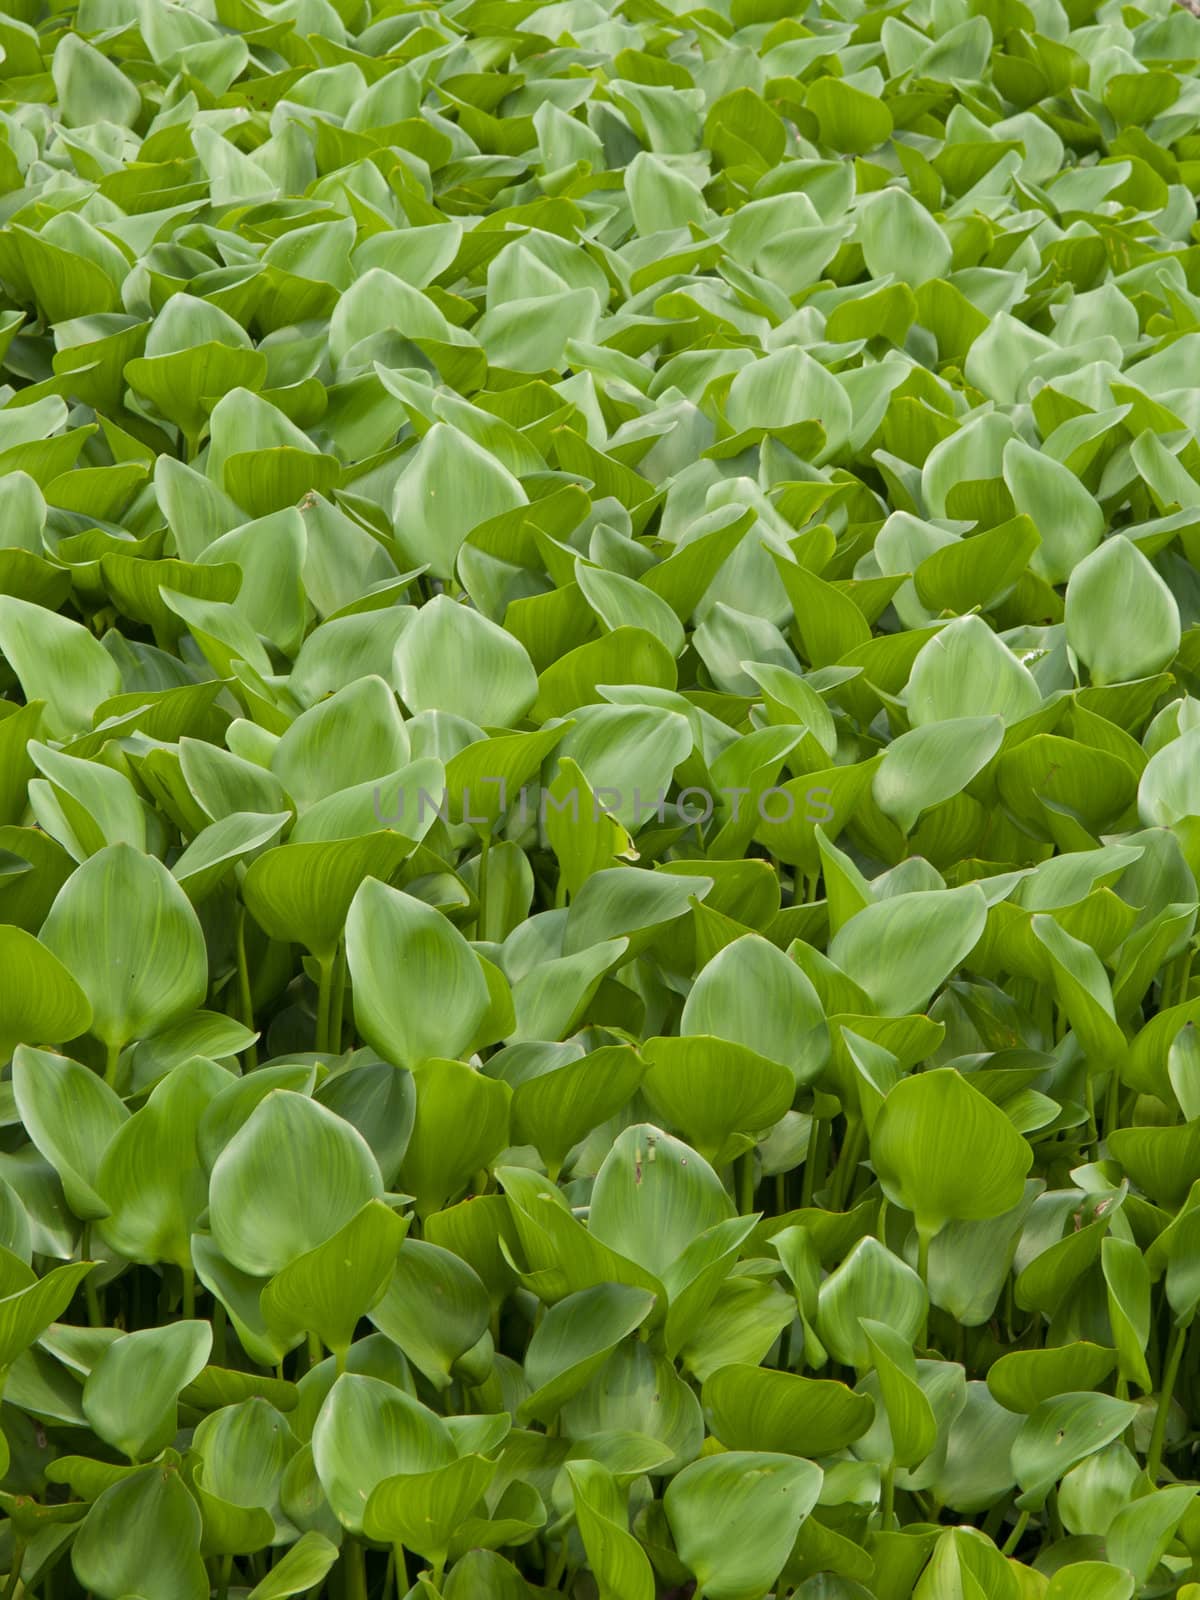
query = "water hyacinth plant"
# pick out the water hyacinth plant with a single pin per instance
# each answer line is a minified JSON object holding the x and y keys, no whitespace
{"x":599,"y":800}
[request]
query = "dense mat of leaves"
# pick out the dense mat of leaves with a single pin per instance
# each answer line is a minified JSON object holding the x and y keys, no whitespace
{"x":599,"y":799}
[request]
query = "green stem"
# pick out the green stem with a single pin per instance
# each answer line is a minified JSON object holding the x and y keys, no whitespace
{"x":324,"y":1002}
{"x":220,"y":1327}
{"x":1170,"y":1372}
{"x":245,"y":1001}
{"x":18,"y":1561}
{"x":1093,"y":1128}
{"x":923,"y":1239}
{"x":225,"y":1574}
{"x":1186,"y":975}
{"x":555,"y":1567}
{"x":481,"y":891}
{"x":1016,"y":1535}
{"x":745,"y":1180}
{"x":1052,"y":1512}
{"x":112,"y":1059}
{"x":847,"y":1164}
{"x":1112,"y":1106}
{"x":189,"y":1293}
{"x":401,"y":1571}
{"x":355,"y":1558}
{"x":813,"y":1160}
{"x":316,"y":1353}
{"x":887,"y":1498}
{"x":337,"y":1007}
{"x":90,"y":1293}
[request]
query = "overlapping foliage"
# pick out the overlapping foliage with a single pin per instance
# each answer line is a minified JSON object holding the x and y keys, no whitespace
{"x":598,"y":799}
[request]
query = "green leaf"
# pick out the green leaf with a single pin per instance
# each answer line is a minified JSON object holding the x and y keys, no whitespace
{"x":150,"y":1177}
{"x":621,"y":1567}
{"x":753,"y":1408}
{"x":423,"y":1510}
{"x":368,"y":1431}
{"x":328,"y":1289}
{"x":39,"y":999}
{"x":461,"y":1126}
{"x":911,"y":1421}
{"x":71,"y":1116}
{"x":290,"y":1178}
{"x":734,"y":1518}
{"x":1122,"y":620}
{"x":299,"y":1569}
{"x":127,"y":932}
{"x":574,"y":1340}
{"x":130,"y":1394}
{"x":653,"y":1195}
{"x":870,"y":1282}
{"x":1059,"y":1433}
{"x":426,"y":1275}
{"x":142,"y":1536}
{"x":31,"y":1309}
{"x":57,"y":661}
{"x":443,"y":996}
{"x":944,"y":1152}
{"x":900,"y":950}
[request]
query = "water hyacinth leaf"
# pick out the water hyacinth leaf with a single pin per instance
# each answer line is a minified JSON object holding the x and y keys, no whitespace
{"x":618,"y":1561}
{"x":126,"y":930}
{"x":753,"y":995}
{"x":711,"y":1089}
{"x":653,"y":1195}
{"x":25,"y":1312}
{"x":130,"y":1395}
{"x":424,"y":1275}
{"x":329,"y":1288}
{"x":898,"y":236}
{"x":289,"y":1145}
{"x":142,"y":1536}
{"x":735,"y":1516}
{"x":966,"y":671}
{"x":1140,"y":1533}
{"x":367,"y":1431}
{"x":150,"y":1178}
{"x":911,"y":1420}
{"x":445,"y":994}
{"x":1022,"y":1379}
{"x":42,"y":1003}
{"x":573,"y":1341}
{"x":554,"y":1110}
{"x":1122,"y":621}
{"x":424,"y":1509}
{"x":870,"y":1282}
{"x":298,"y":1568}
{"x":944,"y":1152}
{"x":301,"y":893}
{"x":753,"y":1408}
{"x":1062,"y":1431}
{"x":72,"y":1117}
{"x":1127,"y":1280}
{"x":58,"y":662}
{"x":930,"y":763}
{"x":451,"y":487}
{"x":1163,"y":1162}
{"x":1091,"y":1580}
{"x":462,"y":1124}
{"x":899,"y":950}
